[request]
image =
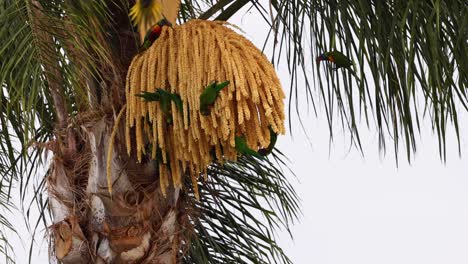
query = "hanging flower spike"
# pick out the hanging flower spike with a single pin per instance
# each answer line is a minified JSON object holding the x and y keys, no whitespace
{"x":185,"y":62}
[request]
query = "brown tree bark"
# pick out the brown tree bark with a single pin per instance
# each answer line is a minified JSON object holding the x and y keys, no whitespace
{"x":137,"y":224}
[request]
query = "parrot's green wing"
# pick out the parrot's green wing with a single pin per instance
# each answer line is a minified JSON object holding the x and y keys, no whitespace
{"x":149,"y":96}
{"x":165,"y":104}
{"x":341,"y":60}
{"x":146,"y":42}
{"x":165,"y":96}
{"x":207,"y":98}
{"x":220,"y":86}
{"x":269,"y":149}
{"x":209,"y":95}
{"x":243,"y":148}
{"x":178,"y":102}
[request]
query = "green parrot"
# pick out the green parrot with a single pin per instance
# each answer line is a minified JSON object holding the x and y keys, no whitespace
{"x":155,"y":96}
{"x":338,"y":58}
{"x":177,"y":101}
{"x":179,"y":105}
{"x":165,"y":98}
{"x":269,"y":149}
{"x":209,"y":95}
{"x":149,"y":96}
{"x":153,"y":34}
{"x":165,"y":104}
{"x":243,"y":148}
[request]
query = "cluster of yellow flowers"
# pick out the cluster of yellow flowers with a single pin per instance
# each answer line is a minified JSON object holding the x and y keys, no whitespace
{"x":184,"y":60}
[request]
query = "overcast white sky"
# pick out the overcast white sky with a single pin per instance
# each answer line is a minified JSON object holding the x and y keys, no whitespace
{"x":365,"y":210}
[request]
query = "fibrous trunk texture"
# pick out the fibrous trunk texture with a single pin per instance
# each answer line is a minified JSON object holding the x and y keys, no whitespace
{"x":134,"y":225}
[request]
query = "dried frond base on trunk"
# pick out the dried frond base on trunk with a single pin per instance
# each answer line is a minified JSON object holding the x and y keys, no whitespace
{"x":134,"y":225}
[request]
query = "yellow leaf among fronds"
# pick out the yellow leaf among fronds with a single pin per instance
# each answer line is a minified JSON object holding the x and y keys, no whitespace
{"x":145,"y":17}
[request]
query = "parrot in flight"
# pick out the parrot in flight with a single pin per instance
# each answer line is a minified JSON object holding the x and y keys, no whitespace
{"x":269,"y":149}
{"x":209,"y":95}
{"x":336,"y":57}
{"x":243,"y":148}
{"x":153,"y":34}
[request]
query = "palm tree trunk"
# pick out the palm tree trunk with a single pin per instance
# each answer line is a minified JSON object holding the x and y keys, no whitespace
{"x":134,"y":225}
{"x":137,"y":223}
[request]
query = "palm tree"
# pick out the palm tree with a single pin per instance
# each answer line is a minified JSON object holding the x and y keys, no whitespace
{"x":63,"y":73}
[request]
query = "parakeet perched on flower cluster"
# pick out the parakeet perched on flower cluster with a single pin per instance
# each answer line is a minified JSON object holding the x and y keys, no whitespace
{"x":209,"y":95}
{"x":205,"y":111}
{"x":153,"y":34}
{"x":164,"y":98}
{"x":243,"y":148}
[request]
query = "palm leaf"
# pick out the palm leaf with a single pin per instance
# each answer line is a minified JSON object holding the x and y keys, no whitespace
{"x":5,"y":206}
{"x":44,"y":78}
{"x":242,"y":205}
{"x":411,"y":59}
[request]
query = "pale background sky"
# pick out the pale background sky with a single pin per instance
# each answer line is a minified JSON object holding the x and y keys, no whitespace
{"x":366,"y":210}
{"x":363,"y":210}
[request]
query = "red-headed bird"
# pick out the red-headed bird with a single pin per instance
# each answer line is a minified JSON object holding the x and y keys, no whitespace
{"x":153,"y":34}
{"x":336,"y":57}
{"x":145,"y":13}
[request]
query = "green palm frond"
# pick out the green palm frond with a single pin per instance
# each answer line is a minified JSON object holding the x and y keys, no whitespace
{"x":38,"y":71}
{"x":191,"y":9}
{"x":242,"y":205}
{"x":6,"y":250}
{"x":405,"y":49}
{"x":59,"y":58}
{"x":410,"y":57}
{"x":48,"y":72}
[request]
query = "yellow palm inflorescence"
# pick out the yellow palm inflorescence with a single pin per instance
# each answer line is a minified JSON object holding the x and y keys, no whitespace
{"x":184,"y":60}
